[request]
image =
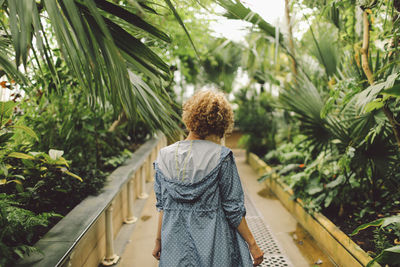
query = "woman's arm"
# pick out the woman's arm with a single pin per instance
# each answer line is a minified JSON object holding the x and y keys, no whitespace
{"x":157,"y":247}
{"x":255,"y":251}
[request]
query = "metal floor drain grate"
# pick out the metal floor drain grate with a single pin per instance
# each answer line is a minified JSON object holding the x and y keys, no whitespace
{"x":275,"y":261}
{"x":263,"y":235}
{"x":273,"y":256}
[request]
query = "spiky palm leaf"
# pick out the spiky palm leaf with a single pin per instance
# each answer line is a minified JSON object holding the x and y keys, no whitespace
{"x":237,"y":10}
{"x":306,"y":102}
{"x":97,"y":48}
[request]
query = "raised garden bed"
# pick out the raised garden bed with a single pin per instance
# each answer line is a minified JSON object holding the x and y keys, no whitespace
{"x":330,"y":238}
{"x":80,"y":238}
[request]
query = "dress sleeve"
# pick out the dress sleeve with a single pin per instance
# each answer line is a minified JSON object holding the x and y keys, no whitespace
{"x":157,"y":190}
{"x":231,"y":192}
{"x":157,"y":184}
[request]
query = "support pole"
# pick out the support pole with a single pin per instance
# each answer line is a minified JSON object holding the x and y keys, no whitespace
{"x":143,"y":194}
{"x":131,"y":218}
{"x":70,"y":258}
{"x":152,"y":159}
{"x":148,"y":167}
{"x":110,"y":258}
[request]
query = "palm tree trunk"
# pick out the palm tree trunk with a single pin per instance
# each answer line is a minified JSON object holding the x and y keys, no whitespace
{"x":365,"y":48}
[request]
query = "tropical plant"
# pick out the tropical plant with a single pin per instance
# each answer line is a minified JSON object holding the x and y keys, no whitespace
{"x":102,"y":44}
{"x":390,"y":227}
{"x":221,"y":63}
{"x":255,"y":118}
{"x":343,"y":100}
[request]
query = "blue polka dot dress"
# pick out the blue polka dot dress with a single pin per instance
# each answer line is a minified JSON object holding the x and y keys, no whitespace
{"x":198,"y":188}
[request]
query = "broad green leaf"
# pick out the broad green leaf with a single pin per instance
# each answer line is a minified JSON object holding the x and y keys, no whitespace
{"x":55,"y":154}
{"x":62,"y":161}
{"x":329,"y":198}
{"x":19,"y":252}
{"x":20,"y":155}
{"x":14,"y":181}
{"x":18,"y":176}
{"x":387,"y":256}
{"x":339,"y":180}
{"x":314,"y":188}
{"x":390,"y":220}
{"x":73,"y":175}
{"x":26,"y":130}
{"x":376,"y":104}
{"x":393,"y":91}
{"x":375,"y":223}
{"x":3,"y":181}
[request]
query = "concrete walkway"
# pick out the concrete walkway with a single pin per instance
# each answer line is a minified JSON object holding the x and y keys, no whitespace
{"x":295,"y":245}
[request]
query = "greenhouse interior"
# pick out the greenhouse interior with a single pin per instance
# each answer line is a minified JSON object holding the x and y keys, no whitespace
{"x":94,"y":93}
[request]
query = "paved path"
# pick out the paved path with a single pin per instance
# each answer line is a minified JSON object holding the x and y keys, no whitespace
{"x":283,"y":241}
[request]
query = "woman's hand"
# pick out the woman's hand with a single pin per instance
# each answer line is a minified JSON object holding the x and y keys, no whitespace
{"x":157,"y":249}
{"x":257,"y":254}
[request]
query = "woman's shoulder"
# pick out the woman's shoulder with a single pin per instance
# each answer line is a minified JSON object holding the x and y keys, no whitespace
{"x":201,"y":148}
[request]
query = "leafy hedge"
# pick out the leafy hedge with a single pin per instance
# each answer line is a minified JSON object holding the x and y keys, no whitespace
{"x":37,"y":188}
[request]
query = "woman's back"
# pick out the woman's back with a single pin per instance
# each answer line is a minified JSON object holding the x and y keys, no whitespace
{"x":192,"y":160}
{"x":198,"y":188}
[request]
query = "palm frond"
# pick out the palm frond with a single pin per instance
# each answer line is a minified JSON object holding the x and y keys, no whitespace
{"x":179,"y":19}
{"x":306,"y":102}
{"x":97,"y":49}
{"x":10,"y":69}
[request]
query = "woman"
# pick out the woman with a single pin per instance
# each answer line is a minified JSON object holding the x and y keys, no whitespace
{"x":199,"y":194}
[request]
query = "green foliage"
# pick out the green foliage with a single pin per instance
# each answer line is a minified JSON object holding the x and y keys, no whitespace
{"x":42,"y":185}
{"x":18,"y":228}
{"x":385,"y":236}
{"x":65,"y":121}
{"x":255,"y":118}
{"x":99,"y":50}
{"x":345,"y":156}
{"x":221,"y":63}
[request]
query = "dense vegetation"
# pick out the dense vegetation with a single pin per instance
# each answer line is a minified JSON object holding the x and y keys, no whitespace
{"x":339,"y":100}
{"x":92,"y":79}
{"x":70,"y":117}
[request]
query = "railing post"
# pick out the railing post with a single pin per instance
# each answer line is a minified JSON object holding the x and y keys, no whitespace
{"x":110,"y":258}
{"x":131,"y":218}
{"x":70,"y":258}
{"x":150,"y":174}
{"x":143,"y":194}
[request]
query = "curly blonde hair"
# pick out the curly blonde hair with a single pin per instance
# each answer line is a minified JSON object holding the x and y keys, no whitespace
{"x":208,"y":112}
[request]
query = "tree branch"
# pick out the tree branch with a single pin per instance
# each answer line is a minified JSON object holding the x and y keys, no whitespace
{"x":365,"y":65}
{"x":364,"y":50}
